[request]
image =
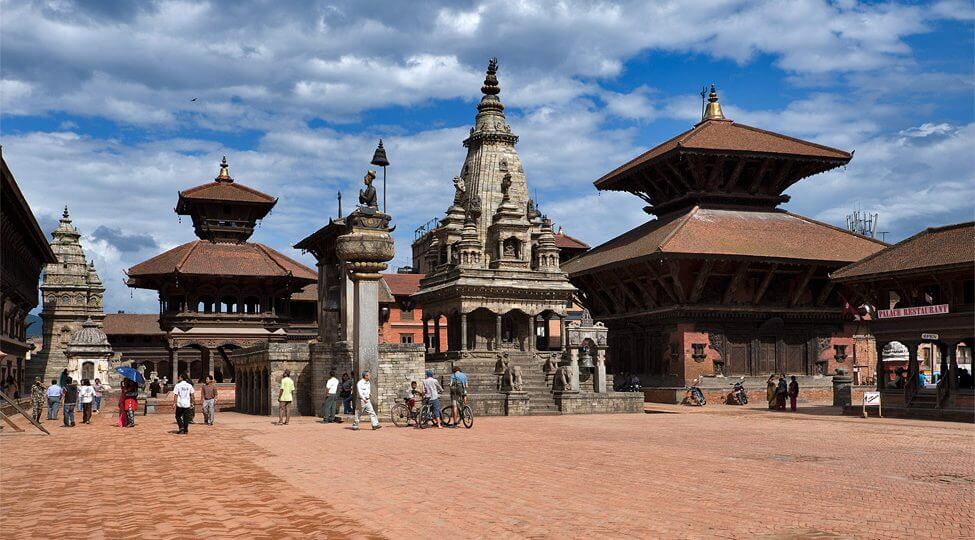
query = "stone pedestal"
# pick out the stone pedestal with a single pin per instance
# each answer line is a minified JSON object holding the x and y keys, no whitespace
{"x":574,"y":365}
{"x":599,"y":377}
{"x":516,"y":404}
{"x":842,"y":389}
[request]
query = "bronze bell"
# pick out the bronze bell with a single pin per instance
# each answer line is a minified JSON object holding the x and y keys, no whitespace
{"x":585,"y":360}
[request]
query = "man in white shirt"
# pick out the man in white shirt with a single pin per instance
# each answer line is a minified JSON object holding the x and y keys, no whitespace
{"x":331,"y":397}
{"x":364,"y":389}
{"x":183,"y":403}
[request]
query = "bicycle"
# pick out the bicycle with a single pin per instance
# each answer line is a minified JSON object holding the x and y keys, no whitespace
{"x":464,"y":412}
{"x":403,"y":414}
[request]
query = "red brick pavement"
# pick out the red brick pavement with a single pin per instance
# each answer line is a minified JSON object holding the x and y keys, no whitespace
{"x":718,"y":472}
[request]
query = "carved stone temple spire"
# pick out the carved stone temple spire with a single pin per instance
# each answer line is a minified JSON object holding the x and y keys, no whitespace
{"x":491,"y":156}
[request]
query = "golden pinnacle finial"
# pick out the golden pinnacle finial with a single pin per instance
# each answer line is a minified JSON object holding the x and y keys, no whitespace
{"x":713,"y":110}
{"x":224,"y":171}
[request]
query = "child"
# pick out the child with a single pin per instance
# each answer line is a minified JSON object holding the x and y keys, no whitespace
{"x":414,"y":394}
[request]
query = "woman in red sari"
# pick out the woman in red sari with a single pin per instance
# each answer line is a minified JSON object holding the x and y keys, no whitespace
{"x":128,"y":402}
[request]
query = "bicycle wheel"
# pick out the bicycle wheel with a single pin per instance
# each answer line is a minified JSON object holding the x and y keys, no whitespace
{"x":423,"y":417}
{"x":400,"y":414}
{"x":467,"y":416}
{"x":447,"y":415}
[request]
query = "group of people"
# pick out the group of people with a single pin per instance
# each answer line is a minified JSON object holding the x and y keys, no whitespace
{"x":777,"y":392}
{"x":184,"y":402}
{"x":67,"y":395}
{"x":429,"y":389}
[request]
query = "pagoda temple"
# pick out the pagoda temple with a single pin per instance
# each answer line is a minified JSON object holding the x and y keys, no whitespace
{"x":220,"y":292}
{"x":492,"y":273}
{"x":722,"y":282}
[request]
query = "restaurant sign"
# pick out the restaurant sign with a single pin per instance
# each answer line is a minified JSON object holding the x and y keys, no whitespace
{"x":912,"y":311}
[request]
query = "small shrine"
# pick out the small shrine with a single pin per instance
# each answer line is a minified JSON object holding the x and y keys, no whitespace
{"x":89,"y":354}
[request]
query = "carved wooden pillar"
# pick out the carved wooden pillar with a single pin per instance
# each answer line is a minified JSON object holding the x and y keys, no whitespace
{"x":912,"y":371}
{"x":952,"y":365}
{"x":426,"y":334}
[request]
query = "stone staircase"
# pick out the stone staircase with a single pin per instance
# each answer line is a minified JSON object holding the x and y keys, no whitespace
{"x":482,"y":380}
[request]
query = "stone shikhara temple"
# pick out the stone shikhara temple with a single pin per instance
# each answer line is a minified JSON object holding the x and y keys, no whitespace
{"x":722,"y":282}
{"x":492,"y":273}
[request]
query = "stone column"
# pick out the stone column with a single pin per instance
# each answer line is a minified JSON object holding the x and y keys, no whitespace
{"x":497,"y":332}
{"x":175,"y":367}
{"x":574,"y":364}
{"x":210,"y":362}
{"x":562,"y":336}
{"x":463,"y":331}
{"x":436,"y":334}
{"x":842,"y":389}
{"x":531,"y":333}
{"x":365,"y":249}
{"x":599,"y":376}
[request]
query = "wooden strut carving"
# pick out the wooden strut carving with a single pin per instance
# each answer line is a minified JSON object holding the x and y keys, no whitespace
{"x":17,"y":407}
{"x":700,"y":280}
{"x":735,"y":282}
{"x":765,"y":283}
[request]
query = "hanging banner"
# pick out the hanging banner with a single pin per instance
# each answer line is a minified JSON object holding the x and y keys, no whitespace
{"x":912,"y":311}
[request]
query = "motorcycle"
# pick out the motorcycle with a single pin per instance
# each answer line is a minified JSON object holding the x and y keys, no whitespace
{"x":738,"y":395}
{"x":694,"y":396}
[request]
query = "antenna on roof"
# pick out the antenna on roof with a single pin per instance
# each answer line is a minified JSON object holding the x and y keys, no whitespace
{"x":863,"y":223}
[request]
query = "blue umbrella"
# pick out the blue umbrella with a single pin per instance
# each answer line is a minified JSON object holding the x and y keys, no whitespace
{"x":132,"y":374}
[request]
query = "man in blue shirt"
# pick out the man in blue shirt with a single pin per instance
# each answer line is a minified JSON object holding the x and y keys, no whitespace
{"x":53,"y":400}
{"x":458,"y":393}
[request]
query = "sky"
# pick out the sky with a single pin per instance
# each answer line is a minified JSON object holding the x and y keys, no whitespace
{"x":111,"y":108}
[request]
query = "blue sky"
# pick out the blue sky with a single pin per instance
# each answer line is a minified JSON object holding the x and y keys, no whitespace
{"x":96,"y":110}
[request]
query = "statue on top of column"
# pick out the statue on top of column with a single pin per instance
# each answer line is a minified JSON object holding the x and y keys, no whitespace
{"x":367,"y":197}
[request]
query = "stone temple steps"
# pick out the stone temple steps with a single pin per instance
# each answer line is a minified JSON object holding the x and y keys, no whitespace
{"x":482,"y":379}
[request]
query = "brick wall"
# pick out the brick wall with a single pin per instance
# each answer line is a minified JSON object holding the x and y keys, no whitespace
{"x":398,"y":365}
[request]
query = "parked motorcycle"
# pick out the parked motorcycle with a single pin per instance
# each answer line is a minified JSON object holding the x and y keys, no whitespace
{"x":693,"y":395}
{"x":738,"y":395}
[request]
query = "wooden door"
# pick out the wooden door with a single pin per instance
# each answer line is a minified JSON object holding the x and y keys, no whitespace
{"x":793,"y":357}
{"x":765,"y":357}
{"x":738,"y":353}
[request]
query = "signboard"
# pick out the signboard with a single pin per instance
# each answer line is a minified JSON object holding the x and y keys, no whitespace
{"x":929,"y":336}
{"x":872,"y":399}
{"x":918,"y":311}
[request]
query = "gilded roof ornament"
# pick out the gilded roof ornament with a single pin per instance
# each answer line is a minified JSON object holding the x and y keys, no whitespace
{"x":713,"y":110}
{"x":224,"y":175}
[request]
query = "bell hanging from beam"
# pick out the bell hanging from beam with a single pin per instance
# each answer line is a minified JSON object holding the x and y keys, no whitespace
{"x":585,"y":359}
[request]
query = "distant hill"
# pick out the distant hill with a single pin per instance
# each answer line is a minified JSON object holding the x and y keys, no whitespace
{"x":33,"y":325}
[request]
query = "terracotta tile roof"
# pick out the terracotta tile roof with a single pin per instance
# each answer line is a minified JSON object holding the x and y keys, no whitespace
{"x":729,"y":136}
{"x":227,"y":191}
{"x":202,"y":257}
{"x":403,"y":284}
{"x":308,"y":293}
{"x":144,"y":324}
{"x":564,"y":241}
{"x":936,"y":247}
{"x":701,"y":231}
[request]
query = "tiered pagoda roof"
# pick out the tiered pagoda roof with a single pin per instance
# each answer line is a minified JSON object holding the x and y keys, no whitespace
{"x":721,"y":162}
{"x":204,"y":258}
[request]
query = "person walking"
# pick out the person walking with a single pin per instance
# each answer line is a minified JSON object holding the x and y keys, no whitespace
{"x":183,"y":403}
{"x":154,"y":388}
{"x":37,"y":398}
{"x":86,"y":397}
{"x":331,"y":396}
{"x":458,"y":393}
{"x":63,"y":378}
{"x":431,"y":391}
{"x":53,"y":399}
{"x":209,"y":396}
{"x":793,"y":393}
{"x":364,"y":389}
{"x":99,"y":388}
{"x":285,"y":396}
{"x":69,"y":399}
{"x":346,"y":394}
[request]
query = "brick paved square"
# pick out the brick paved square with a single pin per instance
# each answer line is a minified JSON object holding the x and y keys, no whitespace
{"x":680,"y":473}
